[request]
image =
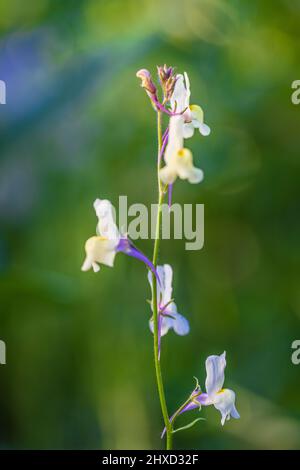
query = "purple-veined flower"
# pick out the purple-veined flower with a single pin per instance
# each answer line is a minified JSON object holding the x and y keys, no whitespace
{"x":179,"y":160}
{"x":168,"y":316}
{"x":223,"y":399}
{"x":102,"y":248}
{"x":193,"y":115}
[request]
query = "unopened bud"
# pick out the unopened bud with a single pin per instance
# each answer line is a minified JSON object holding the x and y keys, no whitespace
{"x":147,"y":82}
{"x":167,"y":80}
{"x":164,"y":73}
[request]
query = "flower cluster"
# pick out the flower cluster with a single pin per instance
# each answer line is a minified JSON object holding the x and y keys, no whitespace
{"x":174,"y":161}
{"x":184,"y":119}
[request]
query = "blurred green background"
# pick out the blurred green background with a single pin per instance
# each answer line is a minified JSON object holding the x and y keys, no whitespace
{"x":77,"y":126}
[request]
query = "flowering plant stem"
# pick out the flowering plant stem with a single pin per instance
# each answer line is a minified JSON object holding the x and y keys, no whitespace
{"x":155,"y":299}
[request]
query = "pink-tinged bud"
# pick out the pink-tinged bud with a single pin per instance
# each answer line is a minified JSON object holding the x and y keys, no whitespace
{"x":147,"y":82}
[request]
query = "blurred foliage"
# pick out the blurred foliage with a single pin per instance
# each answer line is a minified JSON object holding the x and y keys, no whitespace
{"x":77,"y":126}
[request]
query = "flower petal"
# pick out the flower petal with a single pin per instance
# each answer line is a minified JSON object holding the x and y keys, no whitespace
{"x":172,"y":319}
{"x":167,"y":174}
{"x":197,"y":113}
{"x":215,"y":366}
{"x":87,"y":264}
{"x":96,"y":267}
{"x":204,"y":129}
{"x":180,"y":324}
{"x":99,"y":250}
{"x":196,"y":176}
{"x":166,"y":282}
{"x":198,"y":120}
{"x":187,"y":85}
{"x":188,"y":130}
{"x":181,"y":94}
{"x":166,"y":324}
{"x":185,"y":167}
{"x":106,"y":219}
{"x":225,"y":403}
{"x":164,"y":287}
{"x":175,"y":138}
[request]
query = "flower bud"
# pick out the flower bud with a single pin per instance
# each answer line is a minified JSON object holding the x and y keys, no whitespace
{"x":147,"y":82}
{"x":167,"y":80}
{"x":164,"y":73}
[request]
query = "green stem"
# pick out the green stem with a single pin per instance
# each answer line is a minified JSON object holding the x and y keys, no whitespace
{"x":159,"y":379}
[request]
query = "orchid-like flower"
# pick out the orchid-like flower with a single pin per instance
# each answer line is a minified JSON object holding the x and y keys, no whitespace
{"x":223,"y":399}
{"x":168,"y":317}
{"x":192,"y":114}
{"x":179,"y":160}
{"x":102,"y":248}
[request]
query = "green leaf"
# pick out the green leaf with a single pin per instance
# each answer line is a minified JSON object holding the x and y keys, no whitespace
{"x":188,"y":425}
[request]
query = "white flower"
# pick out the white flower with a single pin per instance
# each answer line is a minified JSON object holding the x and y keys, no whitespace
{"x":180,"y":99}
{"x":170,"y":318}
{"x":192,"y":114}
{"x":222,"y":399}
{"x":179,"y":160}
{"x":101,"y":249}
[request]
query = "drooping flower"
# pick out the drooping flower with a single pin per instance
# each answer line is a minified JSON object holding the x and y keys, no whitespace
{"x":168,"y":316}
{"x":179,"y":160}
{"x":102,"y":248}
{"x":223,"y":399}
{"x":193,"y":115}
